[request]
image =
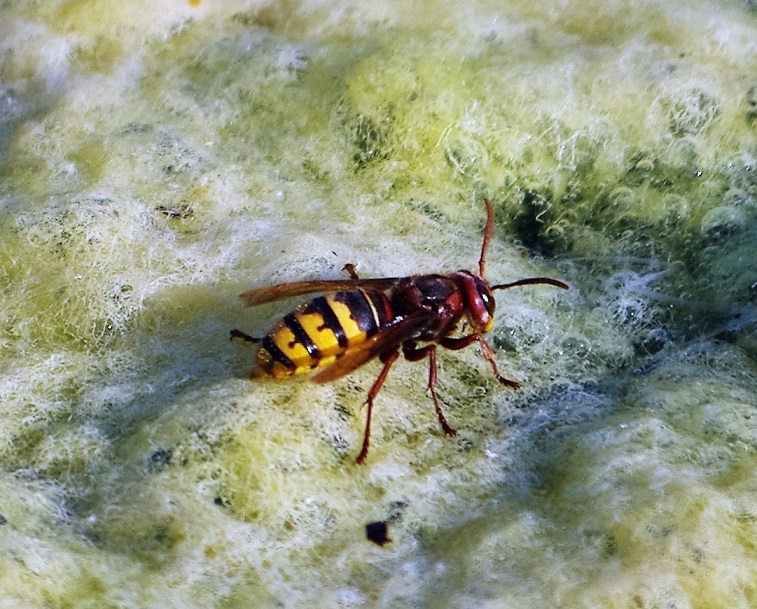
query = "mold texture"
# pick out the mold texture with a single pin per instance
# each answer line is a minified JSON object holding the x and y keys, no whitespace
{"x":157,"y":159}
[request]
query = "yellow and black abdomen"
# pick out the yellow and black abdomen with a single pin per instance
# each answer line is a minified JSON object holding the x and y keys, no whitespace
{"x":319,"y":331}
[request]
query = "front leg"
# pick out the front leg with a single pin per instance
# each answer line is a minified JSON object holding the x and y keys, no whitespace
{"x":460,"y":343}
{"x":414,"y":353}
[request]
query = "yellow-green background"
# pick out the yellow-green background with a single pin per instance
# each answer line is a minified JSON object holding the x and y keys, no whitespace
{"x":618,"y":141}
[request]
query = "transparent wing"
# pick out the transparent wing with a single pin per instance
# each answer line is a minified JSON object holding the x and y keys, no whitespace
{"x":281,"y":291}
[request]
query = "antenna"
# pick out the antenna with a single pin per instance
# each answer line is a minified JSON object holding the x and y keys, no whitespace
{"x":482,"y":260}
{"x":487,"y":237}
{"x":531,"y":281}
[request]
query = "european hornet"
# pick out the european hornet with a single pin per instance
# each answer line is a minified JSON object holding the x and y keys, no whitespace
{"x":357,"y":320}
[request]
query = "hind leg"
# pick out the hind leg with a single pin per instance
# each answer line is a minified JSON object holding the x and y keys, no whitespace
{"x":239,"y":334}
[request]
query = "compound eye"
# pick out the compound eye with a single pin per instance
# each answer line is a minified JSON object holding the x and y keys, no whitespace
{"x":486,"y":297}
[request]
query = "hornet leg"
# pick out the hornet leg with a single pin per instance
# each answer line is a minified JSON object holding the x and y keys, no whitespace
{"x":351,"y":270}
{"x":459,"y":343}
{"x":243,"y":336}
{"x":413,"y":354}
{"x":388,"y":361}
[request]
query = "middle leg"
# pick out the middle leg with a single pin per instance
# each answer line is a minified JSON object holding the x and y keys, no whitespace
{"x":375,"y":388}
{"x":413,"y":353}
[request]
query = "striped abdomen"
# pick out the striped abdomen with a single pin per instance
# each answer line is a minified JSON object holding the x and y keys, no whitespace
{"x":319,"y":331}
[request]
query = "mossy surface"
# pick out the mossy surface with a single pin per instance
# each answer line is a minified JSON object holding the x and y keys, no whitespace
{"x":157,"y":161}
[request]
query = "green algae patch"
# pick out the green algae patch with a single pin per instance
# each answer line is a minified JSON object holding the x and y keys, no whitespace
{"x":89,"y":157}
{"x":100,"y":56}
{"x":666,"y":494}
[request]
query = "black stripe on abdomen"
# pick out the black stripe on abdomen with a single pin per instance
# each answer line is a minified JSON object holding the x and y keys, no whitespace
{"x":361,"y":310}
{"x":381,"y":307}
{"x":277,"y":355}
{"x":321,"y":306}
{"x":302,"y":337}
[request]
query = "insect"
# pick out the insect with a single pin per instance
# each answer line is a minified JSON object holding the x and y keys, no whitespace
{"x":357,"y":320}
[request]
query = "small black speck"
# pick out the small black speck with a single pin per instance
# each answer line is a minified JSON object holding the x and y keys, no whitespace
{"x":160,"y":459}
{"x":3,"y":519}
{"x":378,"y":532}
{"x":396,"y":508}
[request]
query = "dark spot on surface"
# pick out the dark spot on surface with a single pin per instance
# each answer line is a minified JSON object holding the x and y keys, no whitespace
{"x":378,"y":532}
{"x":532,"y":221}
{"x":159,"y":460}
{"x":396,"y":509}
{"x":181,"y":212}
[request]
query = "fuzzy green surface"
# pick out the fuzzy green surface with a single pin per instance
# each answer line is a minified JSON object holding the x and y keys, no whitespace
{"x":157,"y":160}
